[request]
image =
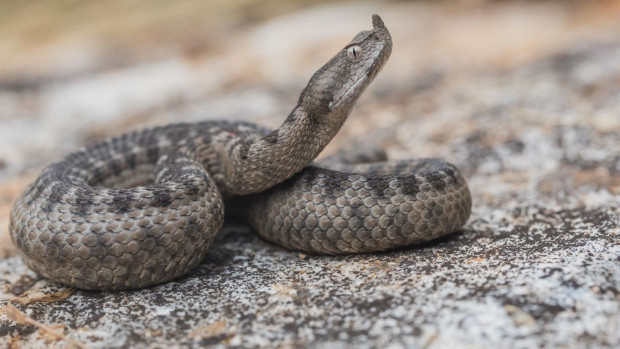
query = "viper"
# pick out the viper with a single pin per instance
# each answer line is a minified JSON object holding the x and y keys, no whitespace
{"x":143,"y":208}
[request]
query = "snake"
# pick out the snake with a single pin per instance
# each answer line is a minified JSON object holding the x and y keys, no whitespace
{"x":143,"y":208}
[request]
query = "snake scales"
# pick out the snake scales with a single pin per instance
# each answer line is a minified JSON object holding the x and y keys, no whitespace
{"x":142,"y":208}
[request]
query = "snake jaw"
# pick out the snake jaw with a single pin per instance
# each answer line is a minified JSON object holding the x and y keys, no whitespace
{"x":340,"y":99}
{"x":351,"y":74}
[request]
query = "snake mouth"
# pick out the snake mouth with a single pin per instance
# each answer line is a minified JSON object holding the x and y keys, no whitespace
{"x":349,"y":92}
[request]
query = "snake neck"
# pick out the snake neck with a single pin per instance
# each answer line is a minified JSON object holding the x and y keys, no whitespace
{"x":306,"y":132}
{"x":258,"y":164}
{"x":261,"y":164}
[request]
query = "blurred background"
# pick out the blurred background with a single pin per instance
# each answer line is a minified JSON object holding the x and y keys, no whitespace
{"x":497,"y":87}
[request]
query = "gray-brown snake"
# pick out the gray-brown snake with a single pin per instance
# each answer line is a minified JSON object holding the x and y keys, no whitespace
{"x":142,"y":208}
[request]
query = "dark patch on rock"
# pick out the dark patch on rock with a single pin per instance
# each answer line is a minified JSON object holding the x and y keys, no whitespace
{"x":153,"y":154}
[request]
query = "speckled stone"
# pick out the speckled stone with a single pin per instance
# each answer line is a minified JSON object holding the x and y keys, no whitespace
{"x":537,"y":265}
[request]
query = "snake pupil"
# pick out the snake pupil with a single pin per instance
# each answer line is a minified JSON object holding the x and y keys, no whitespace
{"x":354,"y":51}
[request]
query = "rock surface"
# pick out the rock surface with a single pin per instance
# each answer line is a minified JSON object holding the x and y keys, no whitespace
{"x":525,"y":103}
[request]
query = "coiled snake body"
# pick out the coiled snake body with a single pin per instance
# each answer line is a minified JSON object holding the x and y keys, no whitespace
{"x":143,"y":208}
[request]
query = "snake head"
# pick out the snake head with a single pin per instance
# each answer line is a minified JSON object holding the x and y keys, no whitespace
{"x":338,"y":84}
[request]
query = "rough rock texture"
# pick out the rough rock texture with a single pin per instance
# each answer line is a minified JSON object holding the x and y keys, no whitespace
{"x":529,"y":110}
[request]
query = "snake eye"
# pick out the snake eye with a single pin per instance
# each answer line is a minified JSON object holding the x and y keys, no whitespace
{"x":354,"y":51}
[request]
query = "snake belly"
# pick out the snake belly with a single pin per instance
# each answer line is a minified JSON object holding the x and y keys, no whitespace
{"x":143,"y":208}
